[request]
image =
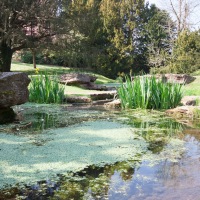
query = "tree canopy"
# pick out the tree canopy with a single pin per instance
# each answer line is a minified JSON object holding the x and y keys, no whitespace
{"x":24,"y":24}
{"x":107,"y":36}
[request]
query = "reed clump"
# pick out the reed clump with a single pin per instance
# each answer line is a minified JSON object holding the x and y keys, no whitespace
{"x":149,"y":93}
{"x":44,"y":89}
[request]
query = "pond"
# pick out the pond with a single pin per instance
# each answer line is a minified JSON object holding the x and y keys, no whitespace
{"x":89,"y":153}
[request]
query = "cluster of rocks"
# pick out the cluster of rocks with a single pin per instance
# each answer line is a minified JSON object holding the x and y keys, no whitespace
{"x":173,"y":78}
{"x":105,"y":94}
{"x":181,"y":112}
{"x":189,"y":108}
{"x":178,"y":78}
{"x":13,"y":91}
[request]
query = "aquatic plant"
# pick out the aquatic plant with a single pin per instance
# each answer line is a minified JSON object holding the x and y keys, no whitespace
{"x":44,"y":89}
{"x":149,"y":93}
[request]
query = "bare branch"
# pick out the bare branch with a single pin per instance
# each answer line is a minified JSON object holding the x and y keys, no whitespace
{"x":22,"y":46}
{"x":174,"y":11}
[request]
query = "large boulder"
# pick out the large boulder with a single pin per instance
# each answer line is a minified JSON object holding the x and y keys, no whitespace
{"x":13,"y":89}
{"x":76,"y":79}
{"x":82,"y":80}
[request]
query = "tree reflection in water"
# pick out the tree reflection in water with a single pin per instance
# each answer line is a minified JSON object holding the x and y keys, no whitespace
{"x":134,"y":179}
{"x":95,"y":182}
{"x":183,"y":177}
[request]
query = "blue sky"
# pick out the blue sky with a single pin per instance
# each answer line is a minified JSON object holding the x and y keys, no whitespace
{"x":164,"y":4}
{"x":157,"y":2}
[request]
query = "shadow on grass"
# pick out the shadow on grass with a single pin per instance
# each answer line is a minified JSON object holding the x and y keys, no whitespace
{"x":51,"y":70}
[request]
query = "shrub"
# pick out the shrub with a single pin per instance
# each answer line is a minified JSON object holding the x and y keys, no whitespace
{"x":149,"y":93}
{"x":43,"y":89}
{"x":26,"y":57}
{"x":41,"y":58}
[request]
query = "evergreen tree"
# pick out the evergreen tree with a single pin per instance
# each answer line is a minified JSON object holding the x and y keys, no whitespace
{"x":186,"y":53}
{"x":121,"y":19}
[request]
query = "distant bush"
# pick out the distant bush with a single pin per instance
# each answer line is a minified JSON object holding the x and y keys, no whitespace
{"x":43,"y":89}
{"x":149,"y":93}
{"x":27,"y":57}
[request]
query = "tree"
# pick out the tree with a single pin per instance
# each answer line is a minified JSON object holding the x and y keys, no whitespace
{"x":183,"y":12}
{"x":86,"y":44}
{"x":121,"y":21}
{"x":186,"y":53}
{"x":25,"y":24}
{"x":159,"y":32}
{"x":185,"y":50}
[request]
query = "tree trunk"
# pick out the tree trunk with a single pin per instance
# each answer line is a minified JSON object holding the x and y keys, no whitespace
{"x":5,"y":57}
{"x":34,"y":58}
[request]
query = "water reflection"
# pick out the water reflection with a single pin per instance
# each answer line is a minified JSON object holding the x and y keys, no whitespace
{"x":157,"y":131}
{"x":181,"y":180}
{"x":125,"y":180}
{"x":91,"y":183}
{"x":34,"y":118}
{"x":129,"y":180}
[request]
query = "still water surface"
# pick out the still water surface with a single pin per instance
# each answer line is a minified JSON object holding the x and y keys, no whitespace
{"x":162,"y":178}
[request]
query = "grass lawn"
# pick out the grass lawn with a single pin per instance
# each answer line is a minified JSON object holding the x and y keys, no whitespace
{"x":51,"y":70}
{"x":192,"y":89}
{"x":28,"y":68}
{"x":72,"y":90}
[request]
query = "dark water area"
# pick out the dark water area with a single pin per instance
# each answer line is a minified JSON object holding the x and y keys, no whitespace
{"x":7,"y":115}
{"x":137,"y":179}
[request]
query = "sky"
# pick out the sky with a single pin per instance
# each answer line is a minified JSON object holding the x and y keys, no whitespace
{"x":195,"y":16}
{"x":157,"y":2}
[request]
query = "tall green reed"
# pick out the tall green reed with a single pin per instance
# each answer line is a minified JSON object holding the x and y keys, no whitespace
{"x":44,"y":89}
{"x":149,"y":93}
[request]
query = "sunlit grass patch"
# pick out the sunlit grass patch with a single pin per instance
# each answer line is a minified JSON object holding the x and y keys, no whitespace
{"x":52,"y":70}
{"x":192,"y":89}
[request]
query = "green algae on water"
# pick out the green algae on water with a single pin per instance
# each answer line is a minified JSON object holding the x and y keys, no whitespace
{"x":66,"y":149}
